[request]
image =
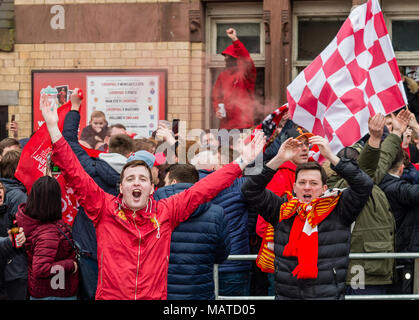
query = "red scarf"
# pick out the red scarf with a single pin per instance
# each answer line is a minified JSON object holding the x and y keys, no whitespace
{"x":303,"y":238}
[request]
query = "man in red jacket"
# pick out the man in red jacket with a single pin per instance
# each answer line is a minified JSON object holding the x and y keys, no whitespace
{"x":133,"y":230}
{"x":235,"y":87}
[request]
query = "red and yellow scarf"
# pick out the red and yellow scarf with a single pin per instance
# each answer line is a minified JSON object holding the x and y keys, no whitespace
{"x":303,"y":238}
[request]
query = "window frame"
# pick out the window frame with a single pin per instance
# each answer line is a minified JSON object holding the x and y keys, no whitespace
{"x":325,"y":10}
{"x":227,"y":12}
{"x":404,"y":58}
{"x":247,"y":12}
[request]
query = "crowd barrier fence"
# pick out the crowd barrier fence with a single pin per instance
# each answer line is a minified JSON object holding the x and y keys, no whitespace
{"x":385,"y":255}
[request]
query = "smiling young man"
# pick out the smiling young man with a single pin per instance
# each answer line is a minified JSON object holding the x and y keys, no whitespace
{"x":311,"y":229}
{"x":133,"y":230}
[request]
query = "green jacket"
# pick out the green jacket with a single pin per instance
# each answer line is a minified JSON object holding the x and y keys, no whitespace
{"x":374,"y":229}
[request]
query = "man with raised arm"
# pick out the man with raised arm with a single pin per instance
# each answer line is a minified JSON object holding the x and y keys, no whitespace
{"x":312,"y":227}
{"x":233,"y":93}
{"x":133,"y":230}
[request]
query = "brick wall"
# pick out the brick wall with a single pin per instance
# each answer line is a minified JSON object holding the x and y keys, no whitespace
{"x":183,"y":61}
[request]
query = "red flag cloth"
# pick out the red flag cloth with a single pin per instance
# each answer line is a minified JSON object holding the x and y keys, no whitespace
{"x":353,"y":78}
{"x":33,"y":159}
{"x":92,"y":152}
{"x":69,"y":204}
{"x":269,"y":124}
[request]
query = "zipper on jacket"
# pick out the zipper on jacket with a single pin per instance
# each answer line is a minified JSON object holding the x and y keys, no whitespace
{"x":134,"y":215}
{"x":335,"y":279}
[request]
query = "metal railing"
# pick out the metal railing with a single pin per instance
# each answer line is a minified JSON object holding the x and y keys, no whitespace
{"x":384,"y":255}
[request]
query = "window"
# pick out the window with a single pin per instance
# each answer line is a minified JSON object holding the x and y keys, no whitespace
{"x":249,"y":35}
{"x":404,"y":35}
{"x":310,"y":43}
{"x":246,"y":18}
{"x":403,"y":23}
{"x":315,"y":24}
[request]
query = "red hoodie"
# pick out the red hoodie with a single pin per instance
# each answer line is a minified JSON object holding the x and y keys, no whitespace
{"x":235,"y":87}
{"x":133,"y":247}
{"x":282,"y":181}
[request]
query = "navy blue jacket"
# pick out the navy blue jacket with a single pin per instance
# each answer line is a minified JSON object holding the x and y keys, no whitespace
{"x":101,"y":172}
{"x":231,"y":200}
{"x":404,"y":201}
{"x":197,"y":244}
{"x":15,"y":195}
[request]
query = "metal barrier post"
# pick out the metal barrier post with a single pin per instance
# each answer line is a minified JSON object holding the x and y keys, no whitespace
{"x":216,"y":286}
{"x":416,"y":277}
{"x":386,"y":255}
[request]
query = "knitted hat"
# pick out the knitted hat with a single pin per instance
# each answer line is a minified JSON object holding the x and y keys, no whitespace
{"x":143,"y":155}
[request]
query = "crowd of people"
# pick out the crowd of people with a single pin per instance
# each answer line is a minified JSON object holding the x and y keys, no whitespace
{"x":154,"y":216}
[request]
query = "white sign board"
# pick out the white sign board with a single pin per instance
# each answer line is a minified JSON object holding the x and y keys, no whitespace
{"x":129,"y":100}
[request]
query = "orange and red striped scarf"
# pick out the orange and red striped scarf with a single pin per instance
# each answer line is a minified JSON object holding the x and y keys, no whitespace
{"x":314,"y":213}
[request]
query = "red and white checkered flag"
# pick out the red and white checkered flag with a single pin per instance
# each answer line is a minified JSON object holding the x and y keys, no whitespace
{"x":355,"y":77}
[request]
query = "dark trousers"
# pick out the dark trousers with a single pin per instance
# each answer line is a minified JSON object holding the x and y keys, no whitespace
{"x":234,"y":283}
{"x":17,"y":289}
{"x":261,"y":283}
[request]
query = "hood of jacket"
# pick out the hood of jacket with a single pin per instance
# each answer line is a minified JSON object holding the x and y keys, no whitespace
{"x":12,"y":184}
{"x":168,"y":191}
{"x":115,"y":160}
{"x":230,"y":51}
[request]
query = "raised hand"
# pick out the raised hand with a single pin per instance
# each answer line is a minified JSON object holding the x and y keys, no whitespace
{"x":407,"y":138}
{"x":253,"y":148}
{"x":324,"y":148}
{"x":376,"y":127}
{"x":50,"y":115}
{"x":413,"y":123}
{"x":400,"y":122}
{"x":49,"y":111}
{"x":166,"y":133}
{"x":75,"y":100}
{"x":231,"y":33}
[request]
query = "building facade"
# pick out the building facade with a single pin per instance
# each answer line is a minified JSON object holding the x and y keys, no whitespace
{"x":183,"y":37}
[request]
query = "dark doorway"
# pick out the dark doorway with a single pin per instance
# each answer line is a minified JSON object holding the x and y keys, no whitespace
{"x":3,"y":121}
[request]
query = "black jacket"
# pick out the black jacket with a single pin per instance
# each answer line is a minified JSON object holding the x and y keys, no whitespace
{"x":334,"y":234}
{"x":17,"y":266}
{"x":404,"y":201}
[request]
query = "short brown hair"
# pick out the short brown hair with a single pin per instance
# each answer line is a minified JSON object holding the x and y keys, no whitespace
{"x":8,"y":142}
{"x":136,"y":163}
{"x":97,"y":114}
{"x":183,"y":173}
{"x":144,"y":144}
{"x":122,"y":144}
{"x":312,"y":165}
{"x":9,"y":163}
